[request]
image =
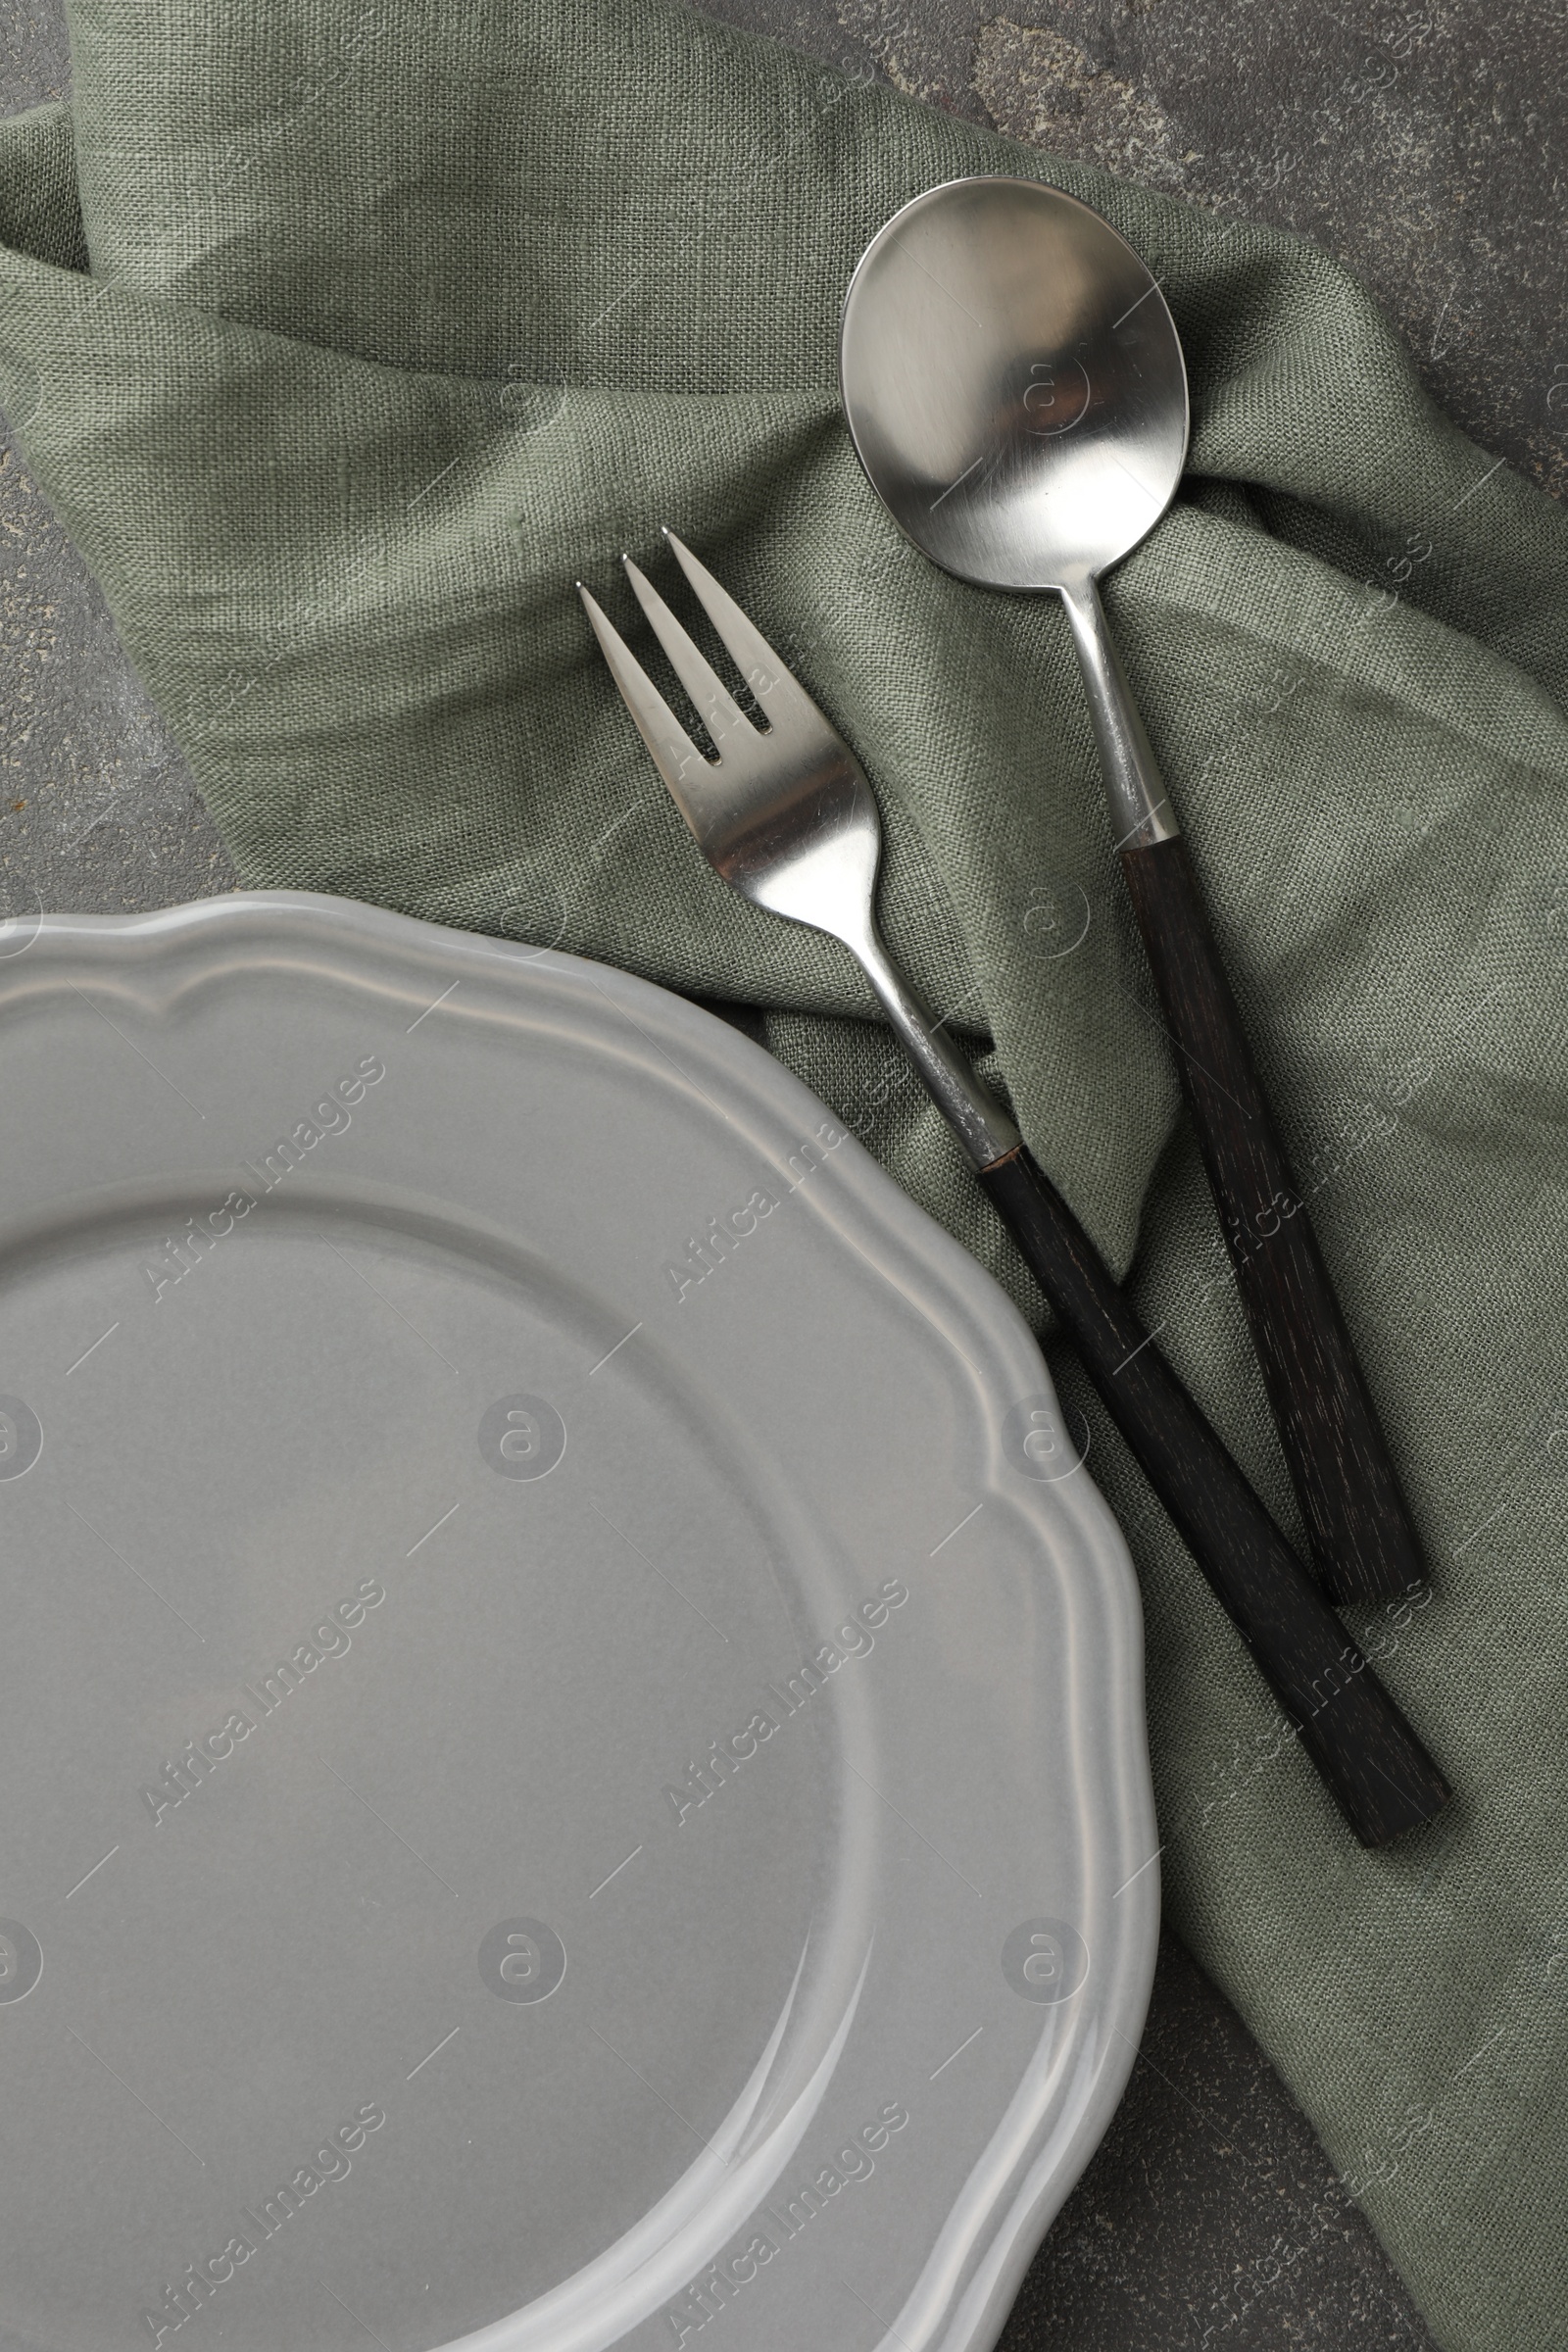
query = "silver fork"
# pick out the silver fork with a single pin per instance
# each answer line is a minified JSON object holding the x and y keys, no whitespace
{"x":787,"y":818}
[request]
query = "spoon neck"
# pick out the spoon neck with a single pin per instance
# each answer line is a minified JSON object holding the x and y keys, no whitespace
{"x":1140,"y":814}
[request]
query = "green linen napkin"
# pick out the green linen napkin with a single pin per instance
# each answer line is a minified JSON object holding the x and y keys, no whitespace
{"x":399,"y":320}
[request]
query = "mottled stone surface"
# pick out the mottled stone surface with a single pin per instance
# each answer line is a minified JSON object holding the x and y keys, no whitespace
{"x":1424,"y":144}
{"x":98,"y":814}
{"x":1209,"y":2221}
{"x":1420,"y":143}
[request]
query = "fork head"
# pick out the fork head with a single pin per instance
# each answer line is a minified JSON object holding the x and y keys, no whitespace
{"x":785,"y":815}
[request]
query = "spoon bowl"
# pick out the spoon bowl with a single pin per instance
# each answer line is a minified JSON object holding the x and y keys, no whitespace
{"x":1014,"y":383}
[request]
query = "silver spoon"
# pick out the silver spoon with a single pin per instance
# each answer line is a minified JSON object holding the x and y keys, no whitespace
{"x":1014,"y":386}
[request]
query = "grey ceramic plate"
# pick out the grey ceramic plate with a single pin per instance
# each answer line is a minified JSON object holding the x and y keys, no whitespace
{"x":572,"y":1736}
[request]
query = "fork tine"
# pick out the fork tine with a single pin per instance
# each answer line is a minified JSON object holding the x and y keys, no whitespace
{"x":674,"y":754}
{"x":766,"y":675}
{"x":717,"y":706}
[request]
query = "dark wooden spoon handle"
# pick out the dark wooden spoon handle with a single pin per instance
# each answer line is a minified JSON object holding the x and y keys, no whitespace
{"x":1379,"y":1772}
{"x":1363,"y":1545}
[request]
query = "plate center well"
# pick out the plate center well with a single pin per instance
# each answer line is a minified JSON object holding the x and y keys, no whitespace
{"x":384,"y":1716}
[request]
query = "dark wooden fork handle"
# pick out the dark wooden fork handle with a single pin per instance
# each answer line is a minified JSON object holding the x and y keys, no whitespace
{"x":1363,"y":1545}
{"x":1379,"y":1772}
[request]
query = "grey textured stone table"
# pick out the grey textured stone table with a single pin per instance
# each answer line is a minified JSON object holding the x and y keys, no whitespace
{"x":1421,"y":143}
